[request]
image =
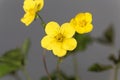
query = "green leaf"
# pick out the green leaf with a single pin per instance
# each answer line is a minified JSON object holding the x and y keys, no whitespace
{"x":108,"y":36}
{"x":14,"y":59}
{"x":113,"y":59}
{"x":82,"y":41}
{"x":99,"y":67}
{"x":10,"y":61}
{"x":54,"y":76}
{"x":26,"y":46}
{"x":6,"y":68}
{"x":13,"y":56}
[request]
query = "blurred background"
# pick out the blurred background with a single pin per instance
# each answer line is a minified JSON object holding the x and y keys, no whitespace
{"x":13,"y":33}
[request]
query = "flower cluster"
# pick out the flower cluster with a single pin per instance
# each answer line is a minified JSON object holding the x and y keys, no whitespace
{"x":58,"y":38}
{"x":31,"y":7}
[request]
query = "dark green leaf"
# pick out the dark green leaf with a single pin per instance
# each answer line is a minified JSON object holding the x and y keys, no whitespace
{"x":108,"y":36}
{"x":82,"y":41}
{"x":99,"y":67}
{"x":54,"y":76}
{"x":113,"y":59}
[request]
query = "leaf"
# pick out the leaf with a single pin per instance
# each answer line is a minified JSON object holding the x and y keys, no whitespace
{"x":6,"y":68}
{"x":99,"y":67}
{"x":83,"y":40}
{"x":113,"y":59}
{"x":10,"y":61}
{"x":108,"y":36}
{"x":54,"y":76}
{"x":13,"y":56}
{"x":14,"y":59}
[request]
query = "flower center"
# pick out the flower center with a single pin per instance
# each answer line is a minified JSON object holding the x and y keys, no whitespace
{"x":83,"y":23}
{"x":59,"y":37}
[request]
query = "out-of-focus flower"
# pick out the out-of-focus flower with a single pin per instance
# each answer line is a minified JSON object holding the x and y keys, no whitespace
{"x":59,"y":39}
{"x":82,"y":22}
{"x":28,"y":18}
{"x":31,"y":7}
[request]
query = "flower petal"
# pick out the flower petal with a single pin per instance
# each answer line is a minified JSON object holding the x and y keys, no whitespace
{"x":88,"y":17}
{"x":89,"y":28}
{"x":59,"y":52}
{"x":40,"y":4}
{"x":52,"y":28}
{"x":69,"y":44}
{"x":67,"y":30}
{"x":28,"y":18}
{"x":28,"y":5}
{"x":47,"y":42}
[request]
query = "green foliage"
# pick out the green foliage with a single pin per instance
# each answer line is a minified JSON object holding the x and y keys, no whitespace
{"x":13,"y":60}
{"x":10,"y":61}
{"x":108,"y":36}
{"x":26,"y":46}
{"x":55,"y":74}
{"x":6,"y":68}
{"x":82,"y":41}
{"x":99,"y":67}
{"x":113,"y":59}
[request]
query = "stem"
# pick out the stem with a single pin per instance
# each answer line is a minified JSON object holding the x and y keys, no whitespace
{"x":45,"y":65}
{"x":116,"y":73}
{"x":58,"y":69}
{"x":75,"y":63}
{"x":42,"y":21}
{"x":26,"y":73}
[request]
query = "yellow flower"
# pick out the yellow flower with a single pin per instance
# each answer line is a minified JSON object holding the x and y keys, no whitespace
{"x":28,"y":18}
{"x":59,"y":39}
{"x":31,"y":7}
{"x":82,"y":23}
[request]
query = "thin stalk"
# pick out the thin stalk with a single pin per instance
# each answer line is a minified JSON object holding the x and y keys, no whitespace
{"x":76,"y":71}
{"x":116,"y":73}
{"x":43,"y":55}
{"x":45,"y":65}
{"x":26,"y":73}
{"x":42,"y":21}
{"x":58,"y":69}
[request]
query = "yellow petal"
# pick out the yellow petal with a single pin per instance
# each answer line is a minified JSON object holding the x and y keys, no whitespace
{"x":28,"y":5}
{"x":28,"y":18}
{"x":69,"y":44}
{"x":67,"y":30}
{"x":89,"y":28}
{"x":52,"y":28}
{"x":59,"y":52}
{"x":40,"y":4}
{"x":47,"y":42}
{"x":88,"y":17}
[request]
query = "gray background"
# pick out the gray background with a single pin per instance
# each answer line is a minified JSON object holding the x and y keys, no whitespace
{"x":13,"y":33}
